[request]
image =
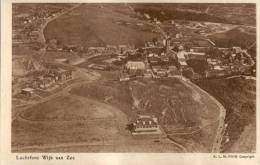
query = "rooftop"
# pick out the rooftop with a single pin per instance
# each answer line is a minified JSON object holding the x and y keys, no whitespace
{"x":146,"y":120}
{"x":28,"y":89}
{"x":135,"y":64}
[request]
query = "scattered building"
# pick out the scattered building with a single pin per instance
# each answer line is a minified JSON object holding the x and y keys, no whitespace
{"x":201,"y":49}
{"x":182,"y":59}
{"x":45,"y":83}
{"x":160,"y":71}
{"x":173,"y":71}
{"x":147,"y":16}
{"x":96,"y":49}
{"x":148,"y":74}
{"x":98,"y":66}
{"x":51,"y":77}
{"x":153,"y":60}
{"x":27,"y":91}
{"x":195,"y":55}
{"x":124,"y":77}
{"x":140,"y":24}
{"x":60,"y":74}
{"x":178,"y":35}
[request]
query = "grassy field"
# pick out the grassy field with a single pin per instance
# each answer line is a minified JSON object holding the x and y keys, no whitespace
{"x":171,"y":101}
{"x":51,"y":122}
{"x":238,"y":96}
{"x":72,"y":109}
{"x":99,"y":113}
{"x":93,"y":25}
{"x":143,"y":146}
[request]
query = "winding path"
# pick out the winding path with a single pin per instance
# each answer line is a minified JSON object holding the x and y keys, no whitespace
{"x":41,"y":34}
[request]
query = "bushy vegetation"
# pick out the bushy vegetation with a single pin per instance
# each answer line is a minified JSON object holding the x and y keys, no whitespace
{"x":168,"y":14}
{"x":235,"y":96}
{"x":237,"y":13}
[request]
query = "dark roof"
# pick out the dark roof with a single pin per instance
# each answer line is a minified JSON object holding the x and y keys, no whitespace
{"x":154,"y":59}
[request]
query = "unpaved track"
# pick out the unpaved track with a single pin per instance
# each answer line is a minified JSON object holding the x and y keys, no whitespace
{"x":42,"y":37}
{"x":216,"y":147}
{"x":92,"y":77}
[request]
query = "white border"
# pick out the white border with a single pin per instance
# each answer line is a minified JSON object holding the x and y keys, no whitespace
{"x":7,"y":157}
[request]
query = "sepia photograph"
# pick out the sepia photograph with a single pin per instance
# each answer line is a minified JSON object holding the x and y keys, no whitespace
{"x":133,"y":78}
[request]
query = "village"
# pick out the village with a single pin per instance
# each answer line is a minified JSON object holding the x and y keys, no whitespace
{"x":28,"y":27}
{"x":165,"y":58}
{"x":182,"y":50}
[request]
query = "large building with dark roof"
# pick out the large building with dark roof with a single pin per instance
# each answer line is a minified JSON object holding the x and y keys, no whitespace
{"x":145,"y":124}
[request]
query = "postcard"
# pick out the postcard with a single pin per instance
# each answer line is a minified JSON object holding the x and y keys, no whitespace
{"x":124,"y":82}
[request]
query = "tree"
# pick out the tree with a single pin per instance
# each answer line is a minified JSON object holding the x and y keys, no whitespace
{"x":155,"y":40}
{"x":188,"y":72}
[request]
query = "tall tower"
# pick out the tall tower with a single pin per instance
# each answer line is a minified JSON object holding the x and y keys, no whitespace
{"x":167,"y":43}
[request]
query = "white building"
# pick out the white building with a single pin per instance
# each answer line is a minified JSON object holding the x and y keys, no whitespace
{"x":145,"y":124}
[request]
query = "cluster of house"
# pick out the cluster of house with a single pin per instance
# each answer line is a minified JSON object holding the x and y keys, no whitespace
{"x":118,"y":49}
{"x":157,"y":62}
{"x":51,"y":77}
{"x":164,"y":61}
{"x":29,"y":24}
{"x":47,"y":80}
{"x":122,"y":22}
{"x":237,"y":55}
{"x":183,"y":56}
{"x":93,"y":50}
{"x":232,"y":61}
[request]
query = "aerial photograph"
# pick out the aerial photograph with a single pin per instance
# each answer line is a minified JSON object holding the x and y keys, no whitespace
{"x":133,"y":77}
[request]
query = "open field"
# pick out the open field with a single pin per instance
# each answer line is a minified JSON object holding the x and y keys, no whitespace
{"x":96,"y":25}
{"x":238,"y":96}
{"x":51,"y":122}
{"x":99,"y":113}
{"x":172,"y":109}
{"x":146,"y":145}
{"x":97,"y":127}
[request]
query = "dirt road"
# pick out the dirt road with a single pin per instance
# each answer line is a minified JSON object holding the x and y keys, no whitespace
{"x":89,"y":76}
{"x":216,"y":147}
{"x":41,"y":34}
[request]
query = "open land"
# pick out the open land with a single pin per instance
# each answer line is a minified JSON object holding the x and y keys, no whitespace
{"x":100,"y":117}
{"x":91,"y":25}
